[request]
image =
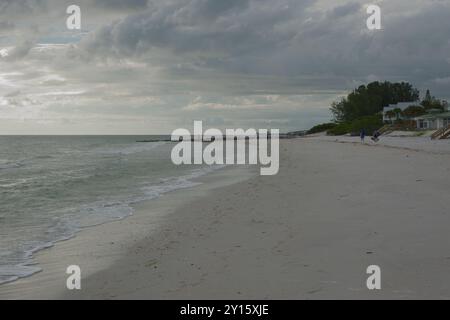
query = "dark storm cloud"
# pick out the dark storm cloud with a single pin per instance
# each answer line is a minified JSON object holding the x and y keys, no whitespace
{"x":13,"y":8}
{"x":210,"y":27}
{"x":346,"y":9}
{"x":264,"y":37}
{"x":121,"y":4}
{"x":288,"y":38}
{"x":206,"y":9}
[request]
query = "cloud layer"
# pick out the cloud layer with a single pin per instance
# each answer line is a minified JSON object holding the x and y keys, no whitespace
{"x":151,"y":66}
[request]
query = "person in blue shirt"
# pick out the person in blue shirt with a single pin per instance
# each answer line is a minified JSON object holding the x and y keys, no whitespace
{"x":362,"y":135}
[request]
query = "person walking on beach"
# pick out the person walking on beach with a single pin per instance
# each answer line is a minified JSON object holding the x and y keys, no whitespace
{"x":362,"y":135}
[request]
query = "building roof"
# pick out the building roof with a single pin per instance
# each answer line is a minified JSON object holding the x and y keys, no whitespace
{"x":434,"y":116}
{"x":401,"y":105}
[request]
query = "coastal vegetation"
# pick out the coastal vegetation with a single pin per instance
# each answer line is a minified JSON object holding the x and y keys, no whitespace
{"x":363,"y":107}
{"x":369,"y":100}
{"x":368,"y":123}
{"x":322,"y":127}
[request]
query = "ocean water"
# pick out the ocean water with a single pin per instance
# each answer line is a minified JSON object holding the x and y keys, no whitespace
{"x":51,"y":187}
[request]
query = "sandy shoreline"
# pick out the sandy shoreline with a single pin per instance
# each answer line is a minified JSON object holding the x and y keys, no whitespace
{"x":309,"y":232}
{"x":98,"y":247}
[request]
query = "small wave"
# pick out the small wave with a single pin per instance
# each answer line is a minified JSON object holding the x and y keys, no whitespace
{"x":174,"y":183}
{"x":8,"y":164}
{"x":103,"y":211}
{"x":131,"y":149}
{"x":10,"y":273}
{"x":42,"y":157}
{"x":11,"y":183}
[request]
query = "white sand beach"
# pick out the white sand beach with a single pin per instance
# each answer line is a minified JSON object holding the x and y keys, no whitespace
{"x":310,"y":232}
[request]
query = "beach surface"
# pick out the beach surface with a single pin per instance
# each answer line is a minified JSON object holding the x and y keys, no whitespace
{"x":310,"y":232}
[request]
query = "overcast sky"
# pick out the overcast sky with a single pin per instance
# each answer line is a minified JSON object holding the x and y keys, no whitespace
{"x":141,"y":67}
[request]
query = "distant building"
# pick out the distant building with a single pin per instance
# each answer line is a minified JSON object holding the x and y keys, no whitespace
{"x":433,"y":121}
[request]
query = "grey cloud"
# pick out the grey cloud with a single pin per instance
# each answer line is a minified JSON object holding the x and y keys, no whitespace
{"x":121,"y":4}
{"x":6,"y":25}
{"x":12,"y":94}
{"x":197,"y":26}
{"x":285,"y":38}
{"x":19,"y":10}
{"x":207,"y":9}
{"x":176,"y":50}
{"x":345,"y":9}
{"x":20,"y":51}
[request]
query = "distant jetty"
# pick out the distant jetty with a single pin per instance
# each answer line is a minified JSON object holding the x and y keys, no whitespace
{"x":289,"y":135}
{"x":155,"y":140}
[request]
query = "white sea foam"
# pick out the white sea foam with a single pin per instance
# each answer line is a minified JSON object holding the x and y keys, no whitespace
{"x":10,"y":183}
{"x":101,"y":211}
{"x":12,"y":273}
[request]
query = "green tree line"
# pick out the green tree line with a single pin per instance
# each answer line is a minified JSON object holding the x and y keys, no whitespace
{"x":370,"y":99}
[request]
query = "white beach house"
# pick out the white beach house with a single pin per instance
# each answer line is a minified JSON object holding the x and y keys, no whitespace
{"x":433,"y":121}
